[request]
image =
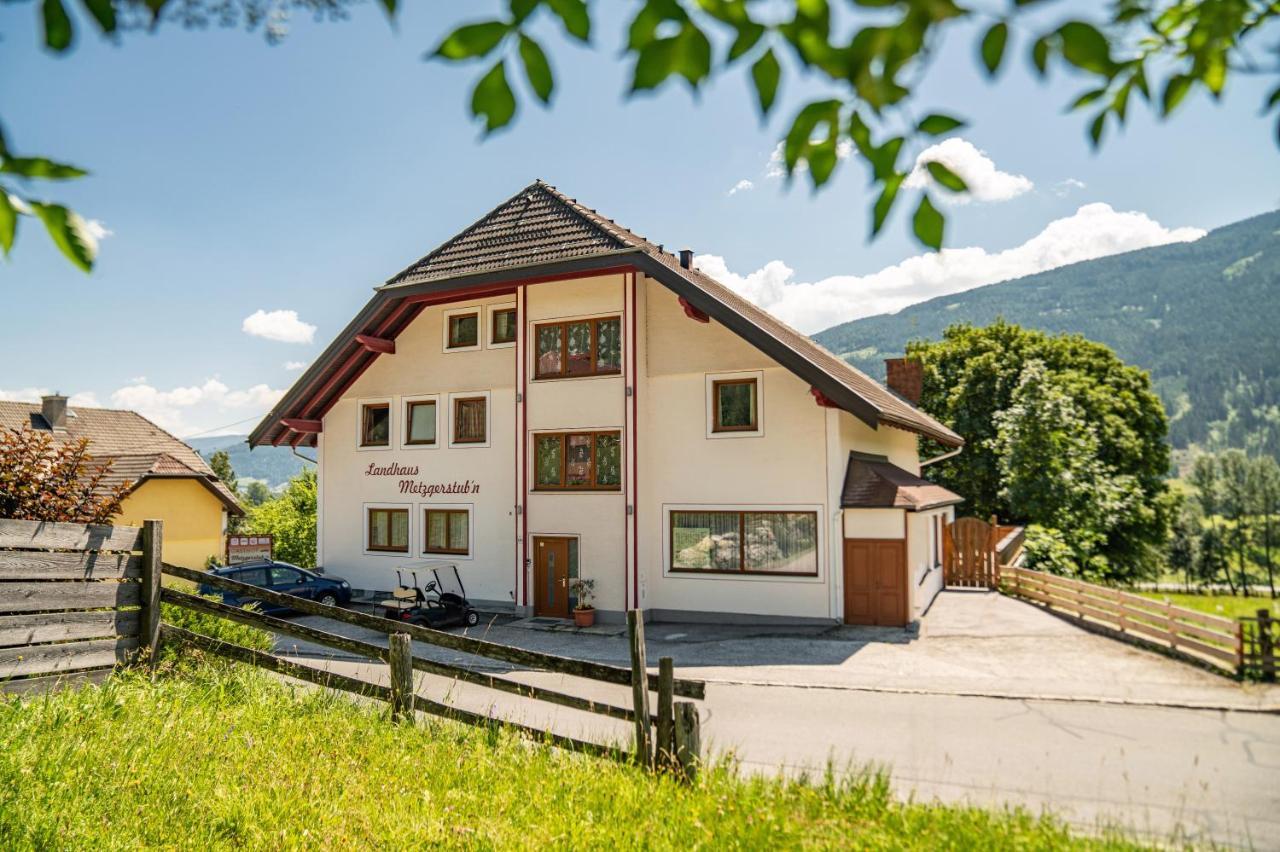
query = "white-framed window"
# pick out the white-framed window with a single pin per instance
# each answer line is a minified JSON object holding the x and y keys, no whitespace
{"x":375,"y":421}
{"x":447,"y":530}
{"x":469,"y":422}
{"x":463,"y":329}
{"x":735,"y":404}
{"x":501,"y":326}
{"x":770,"y":543}
{"x":420,"y":422}
{"x":388,"y":529}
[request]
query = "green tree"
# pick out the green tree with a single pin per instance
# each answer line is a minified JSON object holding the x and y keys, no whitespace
{"x":291,"y":520}
{"x":256,"y":492}
{"x":220,"y":462}
{"x":1266,"y":488}
{"x":972,"y":375}
{"x":1206,"y":478}
{"x":870,"y":58}
{"x":1237,"y":504}
{"x":1183,"y":549}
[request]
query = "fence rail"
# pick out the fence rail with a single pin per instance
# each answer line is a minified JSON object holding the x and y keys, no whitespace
{"x":1196,"y":635}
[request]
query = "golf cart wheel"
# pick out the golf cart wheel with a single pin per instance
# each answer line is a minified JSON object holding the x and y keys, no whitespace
{"x":473,"y":618}
{"x":327,"y":599}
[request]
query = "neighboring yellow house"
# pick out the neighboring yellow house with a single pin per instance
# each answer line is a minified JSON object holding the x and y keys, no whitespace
{"x":168,"y":480}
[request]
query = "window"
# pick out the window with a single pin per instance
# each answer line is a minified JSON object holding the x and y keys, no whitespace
{"x":735,"y":405}
{"x":389,"y":530}
{"x":375,"y":425}
{"x":469,"y":420}
{"x":252,"y":576}
{"x":286,"y":576}
{"x":420,"y":423}
{"x":447,"y":531}
{"x":582,"y":461}
{"x":503,"y":327}
{"x":464,"y":330}
{"x":582,"y":348}
{"x":745,"y":542}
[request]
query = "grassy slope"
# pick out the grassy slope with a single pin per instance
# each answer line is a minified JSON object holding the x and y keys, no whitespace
{"x":224,"y":758}
{"x":1229,"y":606}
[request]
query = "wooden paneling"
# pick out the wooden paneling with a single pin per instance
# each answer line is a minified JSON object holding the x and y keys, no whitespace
{"x":45,"y":659}
{"x":875,"y":582}
{"x":63,"y":626}
{"x":971,"y":558}
{"x":36,"y":597}
{"x":37,"y":565}
{"x":46,"y":535}
{"x":50,"y":683}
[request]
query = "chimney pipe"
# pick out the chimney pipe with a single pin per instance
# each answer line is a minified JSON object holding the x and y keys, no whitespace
{"x":53,"y":409}
{"x":686,"y":258}
{"x":905,"y":378}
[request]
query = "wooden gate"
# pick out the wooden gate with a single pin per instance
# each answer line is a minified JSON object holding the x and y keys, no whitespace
{"x":969,"y":554}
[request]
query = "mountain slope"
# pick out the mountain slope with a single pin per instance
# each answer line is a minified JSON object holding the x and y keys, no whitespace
{"x":273,"y":465}
{"x":1202,"y":317}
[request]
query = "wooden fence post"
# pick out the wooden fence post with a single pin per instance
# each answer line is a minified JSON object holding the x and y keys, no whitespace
{"x":1266,"y":647}
{"x":401,"y":660}
{"x":640,"y":687}
{"x":688,"y":736}
{"x":993,"y":555}
{"x":152,"y":567}
{"x":665,"y":748}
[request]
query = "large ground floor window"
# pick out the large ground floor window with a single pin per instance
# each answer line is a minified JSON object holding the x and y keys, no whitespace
{"x":744,"y":542}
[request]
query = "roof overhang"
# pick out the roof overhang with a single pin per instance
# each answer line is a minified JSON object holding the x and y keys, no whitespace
{"x":231,"y":505}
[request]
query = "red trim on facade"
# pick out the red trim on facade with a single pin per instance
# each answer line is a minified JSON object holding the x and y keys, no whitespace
{"x":693,"y":313}
{"x":297,"y":424}
{"x":521,"y":591}
{"x":635,"y":452}
{"x":479,"y":291}
{"x":821,"y":399}
{"x":381,"y":345}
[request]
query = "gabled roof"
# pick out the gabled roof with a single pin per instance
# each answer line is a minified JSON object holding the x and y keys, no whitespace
{"x":873,"y":482}
{"x":137,"y":448}
{"x":541,"y":233}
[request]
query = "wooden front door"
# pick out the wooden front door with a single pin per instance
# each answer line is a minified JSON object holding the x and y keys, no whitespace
{"x":875,"y":582}
{"x":551,"y":577}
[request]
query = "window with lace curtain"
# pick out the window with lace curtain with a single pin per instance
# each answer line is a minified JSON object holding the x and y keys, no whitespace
{"x":470,"y":420}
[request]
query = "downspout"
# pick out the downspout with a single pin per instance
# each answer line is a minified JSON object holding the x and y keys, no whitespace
{"x":943,"y":457}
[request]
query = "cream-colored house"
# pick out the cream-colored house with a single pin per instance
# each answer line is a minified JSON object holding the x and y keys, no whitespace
{"x":549,"y":396}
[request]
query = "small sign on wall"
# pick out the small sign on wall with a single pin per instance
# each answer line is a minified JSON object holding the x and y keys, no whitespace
{"x":248,"y":548}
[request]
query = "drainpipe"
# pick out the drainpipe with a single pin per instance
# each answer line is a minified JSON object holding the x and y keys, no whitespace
{"x":942,"y":457}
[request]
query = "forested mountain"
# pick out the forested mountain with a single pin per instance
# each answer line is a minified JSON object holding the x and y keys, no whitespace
{"x":273,"y":465}
{"x":1202,"y":317}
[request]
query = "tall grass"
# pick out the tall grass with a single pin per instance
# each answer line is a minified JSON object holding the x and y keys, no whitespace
{"x":228,"y":757}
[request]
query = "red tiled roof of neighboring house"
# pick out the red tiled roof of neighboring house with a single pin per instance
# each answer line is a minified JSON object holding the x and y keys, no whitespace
{"x":541,"y":232}
{"x":136,"y":448}
{"x":873,"y":482}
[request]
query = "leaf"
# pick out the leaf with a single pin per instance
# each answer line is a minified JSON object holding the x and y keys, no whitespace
{"x":575,"y":16}
{"x":937,"y":124}
{"x":522,"y":9}
{"x":1085,"y":47}
{"x":765,"y":72}
{"x":1096,"y":127}
{"x":880,"y":212}
{"x":68,"y":232}
{"x":653,"y":65}
{"x":1087,"y":98}
{"x":40,"y":167}
{"x":749,"y":34}
{"x":993,"y":44}
{"x":944,"y":176}
{"x":1040,"y":54}
{"x":57,"y":25}
{"x":1174,"y":91}
{"x":536,"y":68}
{"x":389,"y":7}
{"x":472,"y":40}
{"x":104,"y":12}
{"x":928,"y":224}
{"x":1271,"y":103}
{"x":493,"y":99}
{"x":8,"y":222}
{"x":884,"y":160}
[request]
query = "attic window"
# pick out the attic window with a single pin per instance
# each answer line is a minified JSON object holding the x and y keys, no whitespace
{"x":464,"y":330}
{"x":375,"y":425}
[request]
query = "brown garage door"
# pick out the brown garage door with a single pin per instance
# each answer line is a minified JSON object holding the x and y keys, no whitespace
{"x":875,"y":582}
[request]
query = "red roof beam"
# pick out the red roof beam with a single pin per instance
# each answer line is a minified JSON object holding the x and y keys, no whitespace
{"x":301,"y":426}
{"x":381,"y":345}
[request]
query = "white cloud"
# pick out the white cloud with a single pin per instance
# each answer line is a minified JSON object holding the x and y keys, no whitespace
{"x":294,"y":366}
{"x":742,"y":186}
{"x":84,"y":399}
{"x":283,"y":326}
{"x":777,"y":165}
{"x":985,"y":181}
{"x":1063,"y":188}
{"x":196,"y":408}
{"x":1095,"y":230}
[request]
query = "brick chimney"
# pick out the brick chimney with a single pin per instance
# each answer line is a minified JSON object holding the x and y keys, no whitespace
{"x":905,"y":378}
{"x":686,"y":258}
{"x":53,"y":408}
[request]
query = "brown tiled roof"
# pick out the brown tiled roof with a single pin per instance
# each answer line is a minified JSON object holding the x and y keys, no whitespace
{"x":137,"y":448}
{"x":541,"y":226}
{"x":873,"y":482}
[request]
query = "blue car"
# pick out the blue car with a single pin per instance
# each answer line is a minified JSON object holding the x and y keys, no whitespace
{"x":284,"y":578}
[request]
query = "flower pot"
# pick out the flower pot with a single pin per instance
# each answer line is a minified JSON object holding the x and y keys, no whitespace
{"x":584,"y":617}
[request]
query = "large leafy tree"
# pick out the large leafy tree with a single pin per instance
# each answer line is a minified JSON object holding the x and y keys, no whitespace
{"x":867,"y":56}
{"x":291,"y":521}
{"x":45,"y":480}
{"x":976,"y":380}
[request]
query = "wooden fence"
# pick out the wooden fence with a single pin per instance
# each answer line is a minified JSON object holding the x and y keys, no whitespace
{"x":1260,"y":645}
{"x":73,"y":602}
{"x":78,"y":600}
{"x":1184,"y":632}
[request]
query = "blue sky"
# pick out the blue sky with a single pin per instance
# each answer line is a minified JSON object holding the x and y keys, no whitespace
{"x":235,"y":177}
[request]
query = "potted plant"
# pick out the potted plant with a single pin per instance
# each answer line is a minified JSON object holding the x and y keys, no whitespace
{"x":584,"y":614}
